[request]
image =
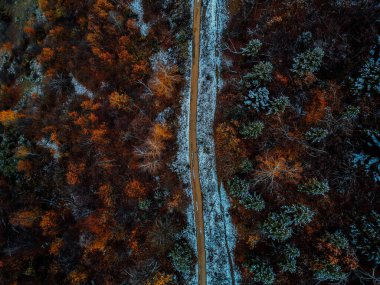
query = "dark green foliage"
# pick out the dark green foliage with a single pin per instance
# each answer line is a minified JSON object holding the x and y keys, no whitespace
{"x":279,"y":226}
{"x":316,"y":135}
{"x":246,"y":166}
{"x":257,"y":99}
{"x":252,"y":48}
{"x":289,"y":255}
{"x":304,"y":40}
{"x":299,"y":214}
{"x":239,"y":189}
{"x":365,"y":237}
{"x":252,"y":201}
{"x":368,"y":82}
{"x":182,"y":258}
{"x":330,"y":272}
{"x":262,"y":272}
{"x":238,"y":186}
{"x":278,"y":105}
{"x":338,"y":239}
{"x":315,"y":187}
{"x":261,"y":74}
{"x":8,"y":161}
{"x":351,"y":113}
{"x":308,"y":61}
{"x":369,"y":158}
{"x":252,"y":129}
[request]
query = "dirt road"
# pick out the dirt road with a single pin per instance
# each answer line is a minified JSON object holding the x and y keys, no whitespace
{"x":193,"y":148}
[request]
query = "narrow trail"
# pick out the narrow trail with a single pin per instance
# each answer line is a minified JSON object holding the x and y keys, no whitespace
{"x":193,"y":147}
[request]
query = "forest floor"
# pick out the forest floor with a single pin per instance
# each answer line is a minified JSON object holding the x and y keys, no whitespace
{"x":193,"y":148}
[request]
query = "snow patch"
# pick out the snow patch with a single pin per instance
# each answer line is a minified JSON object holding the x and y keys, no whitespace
{"x":80,"y":89}
{"x":137,"y":8}
{"x":52,"y":146}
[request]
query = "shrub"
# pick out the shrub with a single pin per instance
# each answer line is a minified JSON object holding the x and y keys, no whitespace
{"x":252,"y":129}
{"x":316,"y":135}
{"x":261,"y":74}
{"x":262,"y":272}
{"x":315,"y":187}
{"x":257,"y":99}
{"x":308,"y":62}
{"x":289,"y":255}
{"x":278,"y":105}
{"x":252,"y":48}
{"x":365,"y":236}
{"x":182,"y":258}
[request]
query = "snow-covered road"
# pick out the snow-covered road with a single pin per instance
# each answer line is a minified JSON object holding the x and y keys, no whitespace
{"x":210,"y":227}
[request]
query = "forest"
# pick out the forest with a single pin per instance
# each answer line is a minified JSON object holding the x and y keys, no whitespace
{"x":147,"y":142}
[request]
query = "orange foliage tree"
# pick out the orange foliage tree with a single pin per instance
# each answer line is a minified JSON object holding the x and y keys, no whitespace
{"x":164,"y":80}
{"x":8,"y":117}
{"x":49,"y":223}
{"x":316,"y":110}
{"x":277,"y":166}
{"x":25,"y":218}
{"x":151,"y":151}
{"x":229,"y":148}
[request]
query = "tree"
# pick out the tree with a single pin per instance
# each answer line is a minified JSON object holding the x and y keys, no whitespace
{"x":49,"y":223}
{"x":315,"y":187}
{"x":74,"y":171}
{"x":365,"y":236}
{"x":25,"y":218}
{"x":279,"y":226}
{"x":252,"y":48}
{"x":262,"y":272}
{"x":8,"y":117}
{"x":164,"y":80}
{"x":278,"y":105}
{"x":289,"y":255}
{"x":239,"y":189}
{"x":277,"y":166}
{"x":120,"y":101}
{"x":368,"y":81}
{"x":182,"y":258}
{"x":252,"y":129}
{"x":330,"y":272}
{"x":299,"y":214}
{"x":316,"y":135}
{"x":261,"y":74}
{"x":230,"y":147}
{"x":308,"y":62}
{"x":160,"y":279}
{"x":257,"y":99}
